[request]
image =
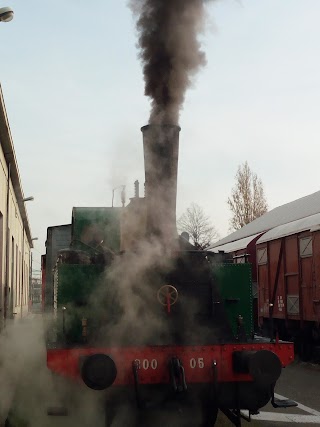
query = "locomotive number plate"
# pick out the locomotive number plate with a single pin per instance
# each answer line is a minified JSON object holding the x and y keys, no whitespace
{"x":153,"y":363}
{"x":147,"y":364}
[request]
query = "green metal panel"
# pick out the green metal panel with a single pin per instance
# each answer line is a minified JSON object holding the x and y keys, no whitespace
{"x":76,"y":282}
{"x":234,"y":282}
{"x":95,"y":227}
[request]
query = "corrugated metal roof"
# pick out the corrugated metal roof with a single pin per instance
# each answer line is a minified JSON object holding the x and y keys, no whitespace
{"x":304,"y":224}
{"x":234,"y":246}
{"x":298,"y":209}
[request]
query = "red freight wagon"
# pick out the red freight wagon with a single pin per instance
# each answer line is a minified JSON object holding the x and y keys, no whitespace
{"x":288,"y":272}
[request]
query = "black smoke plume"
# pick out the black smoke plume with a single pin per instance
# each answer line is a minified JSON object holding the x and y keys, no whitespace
{"x":170,"y":52}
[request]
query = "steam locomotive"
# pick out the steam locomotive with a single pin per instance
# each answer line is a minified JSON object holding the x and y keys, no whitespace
{"x":144,"y":318}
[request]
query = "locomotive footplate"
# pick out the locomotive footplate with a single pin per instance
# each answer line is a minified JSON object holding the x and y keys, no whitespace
{"x":153,"y":361}
{"x":235,"y":415}
{"x":282,"y":403}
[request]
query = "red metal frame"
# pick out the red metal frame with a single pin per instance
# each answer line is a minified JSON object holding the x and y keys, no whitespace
{"x":153,"y":361}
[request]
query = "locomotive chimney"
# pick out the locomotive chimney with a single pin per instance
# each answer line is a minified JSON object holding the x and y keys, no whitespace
{"x":161,"y":148}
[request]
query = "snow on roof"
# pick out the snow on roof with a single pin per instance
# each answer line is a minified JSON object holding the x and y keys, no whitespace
{"x":310,"y":223}
{"x":298,"y":209}
{"x":234,"y":246}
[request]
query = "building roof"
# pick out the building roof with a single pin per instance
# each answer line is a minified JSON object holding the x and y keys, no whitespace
{"x":311,"y":223}
{"x":234,"y":246}
{"x":293,"y":211}
{"x":10,"y":156}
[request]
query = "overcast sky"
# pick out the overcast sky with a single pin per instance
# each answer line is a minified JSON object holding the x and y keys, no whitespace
{"x":74,"y":94}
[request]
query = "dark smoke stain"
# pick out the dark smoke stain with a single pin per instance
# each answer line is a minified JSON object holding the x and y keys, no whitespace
{"x":170,"y":52}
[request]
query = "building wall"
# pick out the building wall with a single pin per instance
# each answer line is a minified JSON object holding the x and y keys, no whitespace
{"x":14,"y":252}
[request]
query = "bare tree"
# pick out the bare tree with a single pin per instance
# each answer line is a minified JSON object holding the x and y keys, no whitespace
{"x":247,"y":201}
{"x":197,"y":224}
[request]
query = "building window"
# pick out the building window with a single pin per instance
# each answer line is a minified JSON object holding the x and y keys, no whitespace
{"x":305,"y":244}
{"x":262,"y":256}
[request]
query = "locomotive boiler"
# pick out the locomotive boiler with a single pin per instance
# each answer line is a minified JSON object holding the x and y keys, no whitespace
{"x":145,"y":319}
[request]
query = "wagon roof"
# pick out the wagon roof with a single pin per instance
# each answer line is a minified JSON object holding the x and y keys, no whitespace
{"x":293,"y":211}
{"x":311,"y":223}
{"x":235,"y":246}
